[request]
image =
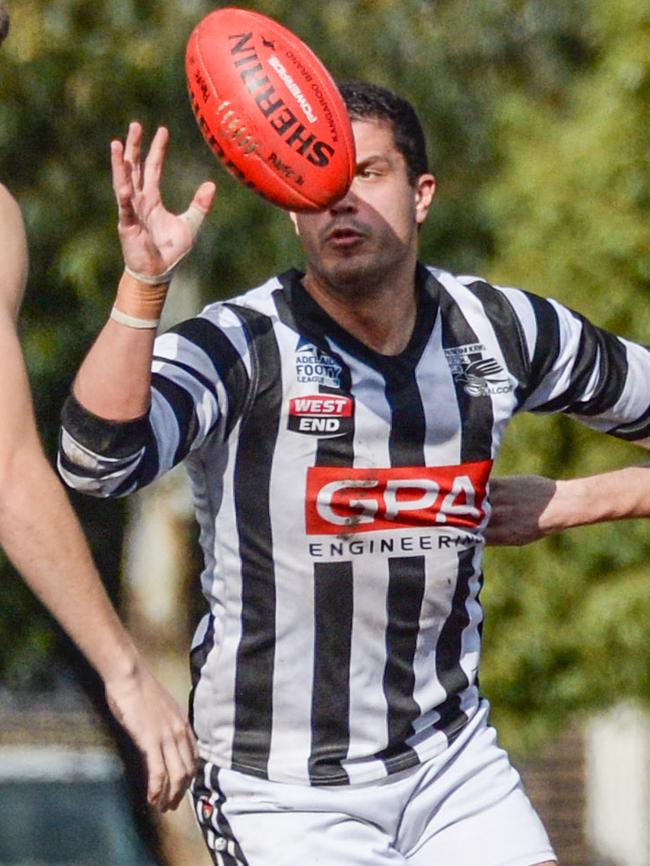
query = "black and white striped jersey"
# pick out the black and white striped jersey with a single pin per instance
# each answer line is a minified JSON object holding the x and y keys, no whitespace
{"x":341,"y":496}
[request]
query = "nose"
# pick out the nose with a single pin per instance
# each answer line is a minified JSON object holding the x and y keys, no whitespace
{"x":347,"y":204}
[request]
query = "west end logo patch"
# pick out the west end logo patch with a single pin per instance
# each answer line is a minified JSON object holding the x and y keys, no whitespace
{"x":321,"y":414}
{"x":315,"y":366}
{"x":478,"y":375}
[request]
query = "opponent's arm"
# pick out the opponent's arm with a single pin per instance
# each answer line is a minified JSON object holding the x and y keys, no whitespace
{"x":114,"y":380}
{"x":526,"y":508}
{"x":43,"y":539}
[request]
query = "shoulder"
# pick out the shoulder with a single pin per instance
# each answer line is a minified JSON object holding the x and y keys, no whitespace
{"x":224,"y":326}
{"x":261,"y":300}
{"x":495,"y":298}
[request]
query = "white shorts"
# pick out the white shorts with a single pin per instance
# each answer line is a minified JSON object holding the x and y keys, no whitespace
{"x":465,"y":807}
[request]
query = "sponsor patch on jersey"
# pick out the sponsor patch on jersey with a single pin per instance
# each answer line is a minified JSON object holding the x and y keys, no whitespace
{"x":316,"y":366}
{"x":321,"y":414}
{"x":343,"y":500}
{"x":479,"y":376}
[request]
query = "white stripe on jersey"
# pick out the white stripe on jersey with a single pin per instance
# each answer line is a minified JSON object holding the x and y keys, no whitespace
{"x":433,"y":375}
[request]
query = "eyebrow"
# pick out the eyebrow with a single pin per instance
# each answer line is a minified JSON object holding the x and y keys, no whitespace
{"x":372,"y":158}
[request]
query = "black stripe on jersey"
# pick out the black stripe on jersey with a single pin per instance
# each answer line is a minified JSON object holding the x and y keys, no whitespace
{"x":595,"y":345}
{"x":182,"y":405}
{"x":508,"y":329}
{"x":404,"y":603}
{"x":198,"y":658}
{"x":206,"y":383}
{"x":330,"y":711}
{"x":148,"y":468}
{"x":408,"y":425}
{"x":449,"y":650}
{"x":252,"y":477}
{"x":634,"y":430}
{"x":476,"y":414}
{"x":547,"y":343}
{"x":225,"y":358}
{"x":337,"y":451}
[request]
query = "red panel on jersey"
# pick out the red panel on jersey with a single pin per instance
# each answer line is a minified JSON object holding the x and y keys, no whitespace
{"x":341,"y":500}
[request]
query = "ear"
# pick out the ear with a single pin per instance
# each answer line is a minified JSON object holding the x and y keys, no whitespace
{"x":425,"y":189}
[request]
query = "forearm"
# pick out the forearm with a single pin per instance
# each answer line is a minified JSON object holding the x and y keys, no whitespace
{"x":622,"y":493}
{"x":41,"y":535}
{"x":528,"y":507}
{"x":114,"y":379}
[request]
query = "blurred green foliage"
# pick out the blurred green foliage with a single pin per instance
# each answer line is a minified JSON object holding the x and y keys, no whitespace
{"x":537,"y":118}
{"x":568,"y":210}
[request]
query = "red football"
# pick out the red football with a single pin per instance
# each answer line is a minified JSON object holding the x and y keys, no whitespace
{"x":269,"y":109}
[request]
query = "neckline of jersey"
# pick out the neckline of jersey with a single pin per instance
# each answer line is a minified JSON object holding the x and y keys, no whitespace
{"x":308,"y":312}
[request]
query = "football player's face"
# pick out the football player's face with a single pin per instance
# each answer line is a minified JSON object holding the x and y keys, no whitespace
{"x":374,"y":227}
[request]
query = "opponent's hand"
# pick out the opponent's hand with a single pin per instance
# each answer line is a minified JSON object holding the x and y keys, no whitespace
{"x":153,"y":240}
{"x":160,"y":730}
{"x":522,"y":509}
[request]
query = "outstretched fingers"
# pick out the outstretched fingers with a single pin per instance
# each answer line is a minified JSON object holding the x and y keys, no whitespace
{"x":133,"y":152}
{"x":122,"y":184}
{"x":154,"y":162}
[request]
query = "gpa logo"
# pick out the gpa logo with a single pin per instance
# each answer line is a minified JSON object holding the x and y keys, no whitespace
{"x":479,"y":376}
{"x":321,"y":414}
{"x":315,"y":366}
{"x":406,"y":497}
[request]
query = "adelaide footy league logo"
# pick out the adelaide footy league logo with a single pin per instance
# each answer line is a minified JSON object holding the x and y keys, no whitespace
{"x":478,"y":376}
{"x":321,"y":414}
{"x":315,"y":366}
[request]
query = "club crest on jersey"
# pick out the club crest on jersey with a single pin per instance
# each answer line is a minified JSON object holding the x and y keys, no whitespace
{"x":479,"y":376}
{"x":321,"y":414}
{"x":315,"y":366}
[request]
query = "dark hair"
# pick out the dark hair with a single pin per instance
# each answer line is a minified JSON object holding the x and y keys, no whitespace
{"x":4,"y":22}
{"x":365,"y":100}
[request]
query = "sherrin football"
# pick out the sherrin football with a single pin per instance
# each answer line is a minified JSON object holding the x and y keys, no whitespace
{"x":269,"y":109}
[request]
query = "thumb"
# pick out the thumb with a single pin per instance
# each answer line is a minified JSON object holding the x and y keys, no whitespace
{"x":200,"y":207}
{"x":204,"y":196}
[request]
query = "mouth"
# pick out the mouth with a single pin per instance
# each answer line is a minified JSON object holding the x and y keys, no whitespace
{"x":344,"y":237}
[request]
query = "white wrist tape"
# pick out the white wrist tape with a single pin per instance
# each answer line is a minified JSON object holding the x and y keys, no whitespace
{"x":133,"y":321}
{"x":194,"y":217}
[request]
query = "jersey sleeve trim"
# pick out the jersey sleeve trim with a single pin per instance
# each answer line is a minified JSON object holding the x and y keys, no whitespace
{"x":119,"y":439}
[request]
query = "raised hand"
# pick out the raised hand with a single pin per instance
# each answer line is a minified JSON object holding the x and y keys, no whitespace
{"x":153,"y":240}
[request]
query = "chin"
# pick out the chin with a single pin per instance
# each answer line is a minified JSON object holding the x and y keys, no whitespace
{"x":362,"y":273}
